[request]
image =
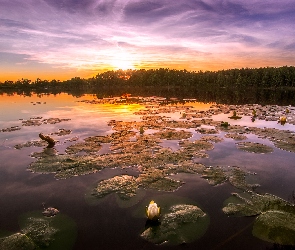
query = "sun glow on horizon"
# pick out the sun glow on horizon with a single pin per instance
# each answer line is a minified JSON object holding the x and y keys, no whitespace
{"x":123,"y":60}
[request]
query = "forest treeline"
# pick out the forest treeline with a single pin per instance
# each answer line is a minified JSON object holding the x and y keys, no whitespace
{"x":237,"y":83}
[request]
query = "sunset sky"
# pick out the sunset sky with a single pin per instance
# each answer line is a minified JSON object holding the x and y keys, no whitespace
{"x":61,"y":39}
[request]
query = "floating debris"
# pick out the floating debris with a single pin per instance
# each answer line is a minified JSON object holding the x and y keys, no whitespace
{"x":253,"y":147}
{"x":50,"y":212}
{"x":48,"y":139}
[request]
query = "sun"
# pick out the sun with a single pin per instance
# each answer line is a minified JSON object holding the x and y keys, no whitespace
{"x":123,"y":61}
{"x":122,"y":64}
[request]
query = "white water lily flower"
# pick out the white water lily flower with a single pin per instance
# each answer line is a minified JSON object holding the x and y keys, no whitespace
{"x":153,"y":211}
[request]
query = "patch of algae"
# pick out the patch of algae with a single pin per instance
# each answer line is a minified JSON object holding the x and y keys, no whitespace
{"x":253,"y":147}
{"x":182,"y":224}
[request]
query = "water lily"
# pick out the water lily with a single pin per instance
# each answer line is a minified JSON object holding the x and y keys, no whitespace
{"x":153,"y":211}
{"x":283,"y":120}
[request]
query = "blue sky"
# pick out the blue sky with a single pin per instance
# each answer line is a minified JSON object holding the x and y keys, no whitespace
{"x":60,"y":39}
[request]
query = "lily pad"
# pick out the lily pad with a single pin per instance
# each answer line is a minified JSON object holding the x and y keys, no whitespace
{"x":253,"y":147}
{"x":182,"y":224}
{"x":276,"y":227}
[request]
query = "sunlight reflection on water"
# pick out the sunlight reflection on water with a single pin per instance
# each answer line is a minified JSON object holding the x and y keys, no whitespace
{"x":22,"y":191}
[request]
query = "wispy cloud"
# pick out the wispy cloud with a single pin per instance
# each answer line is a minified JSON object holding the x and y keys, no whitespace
{"x":194,"y":34}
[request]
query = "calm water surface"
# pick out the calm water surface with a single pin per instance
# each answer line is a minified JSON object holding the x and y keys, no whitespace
{"x":105,"y":224}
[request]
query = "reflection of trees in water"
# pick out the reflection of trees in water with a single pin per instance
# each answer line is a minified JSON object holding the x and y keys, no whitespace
{"x":219,"y":95}
{"x":235,"y":86}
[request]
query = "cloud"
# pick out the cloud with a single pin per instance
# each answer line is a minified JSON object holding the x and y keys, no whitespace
{"x":87,"y":35}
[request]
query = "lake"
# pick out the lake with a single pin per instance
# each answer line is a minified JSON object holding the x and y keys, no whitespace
{"x":112,"y":156}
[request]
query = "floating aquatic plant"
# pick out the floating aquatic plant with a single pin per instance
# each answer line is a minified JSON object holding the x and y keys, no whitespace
{"x":17,"y":241}
{"x":182,"y":224}
{"x":254,"y":147}
{"x":214,"y":175}
{"x":125,"y":186}
{"x":276,"y":227}
{"x":282,"y":120}
{"x":172,"y":134}
{"x":251,"y":203}
{"x":276,"y":217}
{"x":153,"y":211}
{"x":236,"y":136}
{"x":235,"y":116}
